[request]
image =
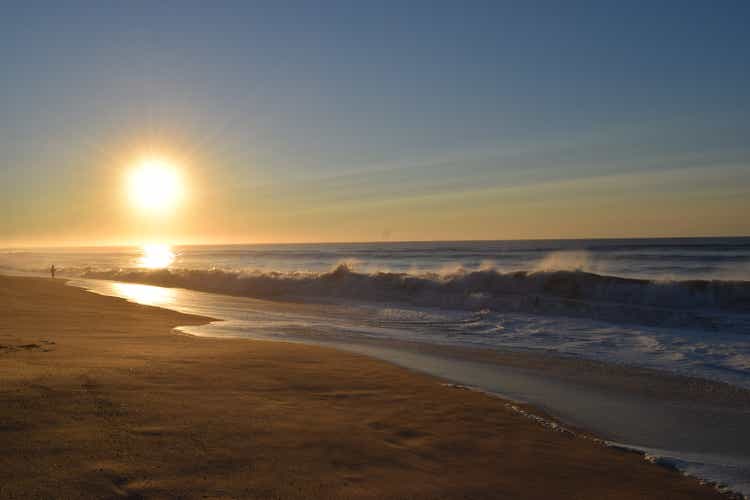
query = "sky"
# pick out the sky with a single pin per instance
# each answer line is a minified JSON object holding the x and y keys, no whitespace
{"x":370,"y":121}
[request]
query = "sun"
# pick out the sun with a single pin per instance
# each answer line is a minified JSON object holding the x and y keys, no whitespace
{"x":155,"y":186}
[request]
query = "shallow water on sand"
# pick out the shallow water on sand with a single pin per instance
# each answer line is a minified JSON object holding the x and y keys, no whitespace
{"x":692,"y":423}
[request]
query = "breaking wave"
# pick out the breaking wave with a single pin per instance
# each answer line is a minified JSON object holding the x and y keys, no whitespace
{"x":701,"y":304}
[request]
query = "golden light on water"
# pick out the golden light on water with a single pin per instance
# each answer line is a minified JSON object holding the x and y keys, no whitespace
{"x":145,"y":294}
{"x":155,"y":186}
{"x":156,"y":256}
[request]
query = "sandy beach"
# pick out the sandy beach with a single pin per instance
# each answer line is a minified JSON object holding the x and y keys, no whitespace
{"x":100,"y":398}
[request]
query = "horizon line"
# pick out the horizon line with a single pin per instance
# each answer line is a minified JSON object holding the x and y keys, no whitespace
{"x":357,"y":242}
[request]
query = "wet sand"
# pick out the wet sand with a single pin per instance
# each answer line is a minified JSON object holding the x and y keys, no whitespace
{"x":99,"y":398}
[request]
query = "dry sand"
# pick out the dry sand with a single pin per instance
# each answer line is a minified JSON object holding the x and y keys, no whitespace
{"x":99,"y":398}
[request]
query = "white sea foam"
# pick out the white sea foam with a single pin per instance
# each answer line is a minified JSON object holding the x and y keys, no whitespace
{"x":709,"y":305}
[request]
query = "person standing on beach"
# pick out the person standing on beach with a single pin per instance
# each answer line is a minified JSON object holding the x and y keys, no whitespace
{"x":52,"y":271}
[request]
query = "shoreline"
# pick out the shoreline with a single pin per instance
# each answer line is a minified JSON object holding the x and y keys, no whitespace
{"x":692,"y":395}
{"x":121,"y":348}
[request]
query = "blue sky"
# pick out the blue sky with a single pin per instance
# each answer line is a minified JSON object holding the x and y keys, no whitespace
{"x":309,"y":121}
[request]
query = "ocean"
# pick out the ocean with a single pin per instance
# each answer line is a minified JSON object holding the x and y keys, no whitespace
{"x":677,"y":306}
{"x":648,"y":258}
{"x":681,"y":305}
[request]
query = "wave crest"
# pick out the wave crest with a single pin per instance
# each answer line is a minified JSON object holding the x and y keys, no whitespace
{"x":576,"y":293}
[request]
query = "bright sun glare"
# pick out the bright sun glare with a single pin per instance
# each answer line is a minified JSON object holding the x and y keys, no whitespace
{"x":156,"y":256}
{"x":155,"y":186}
{"x":145,"y":294}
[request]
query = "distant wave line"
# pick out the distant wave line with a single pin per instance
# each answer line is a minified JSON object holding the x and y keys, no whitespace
{"x":694,"y":303}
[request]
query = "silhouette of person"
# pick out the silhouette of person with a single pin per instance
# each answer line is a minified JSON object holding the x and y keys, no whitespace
{"x":52,"y":271}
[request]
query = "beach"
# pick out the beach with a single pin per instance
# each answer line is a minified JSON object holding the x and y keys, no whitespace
{"x":101,"y":398}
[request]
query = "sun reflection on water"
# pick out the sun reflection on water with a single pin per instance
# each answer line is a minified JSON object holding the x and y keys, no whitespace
{"x":145,"y":294}
{"x":156,"y":256}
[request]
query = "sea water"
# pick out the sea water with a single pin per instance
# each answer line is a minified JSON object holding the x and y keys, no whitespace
{"x":681,"y":305}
